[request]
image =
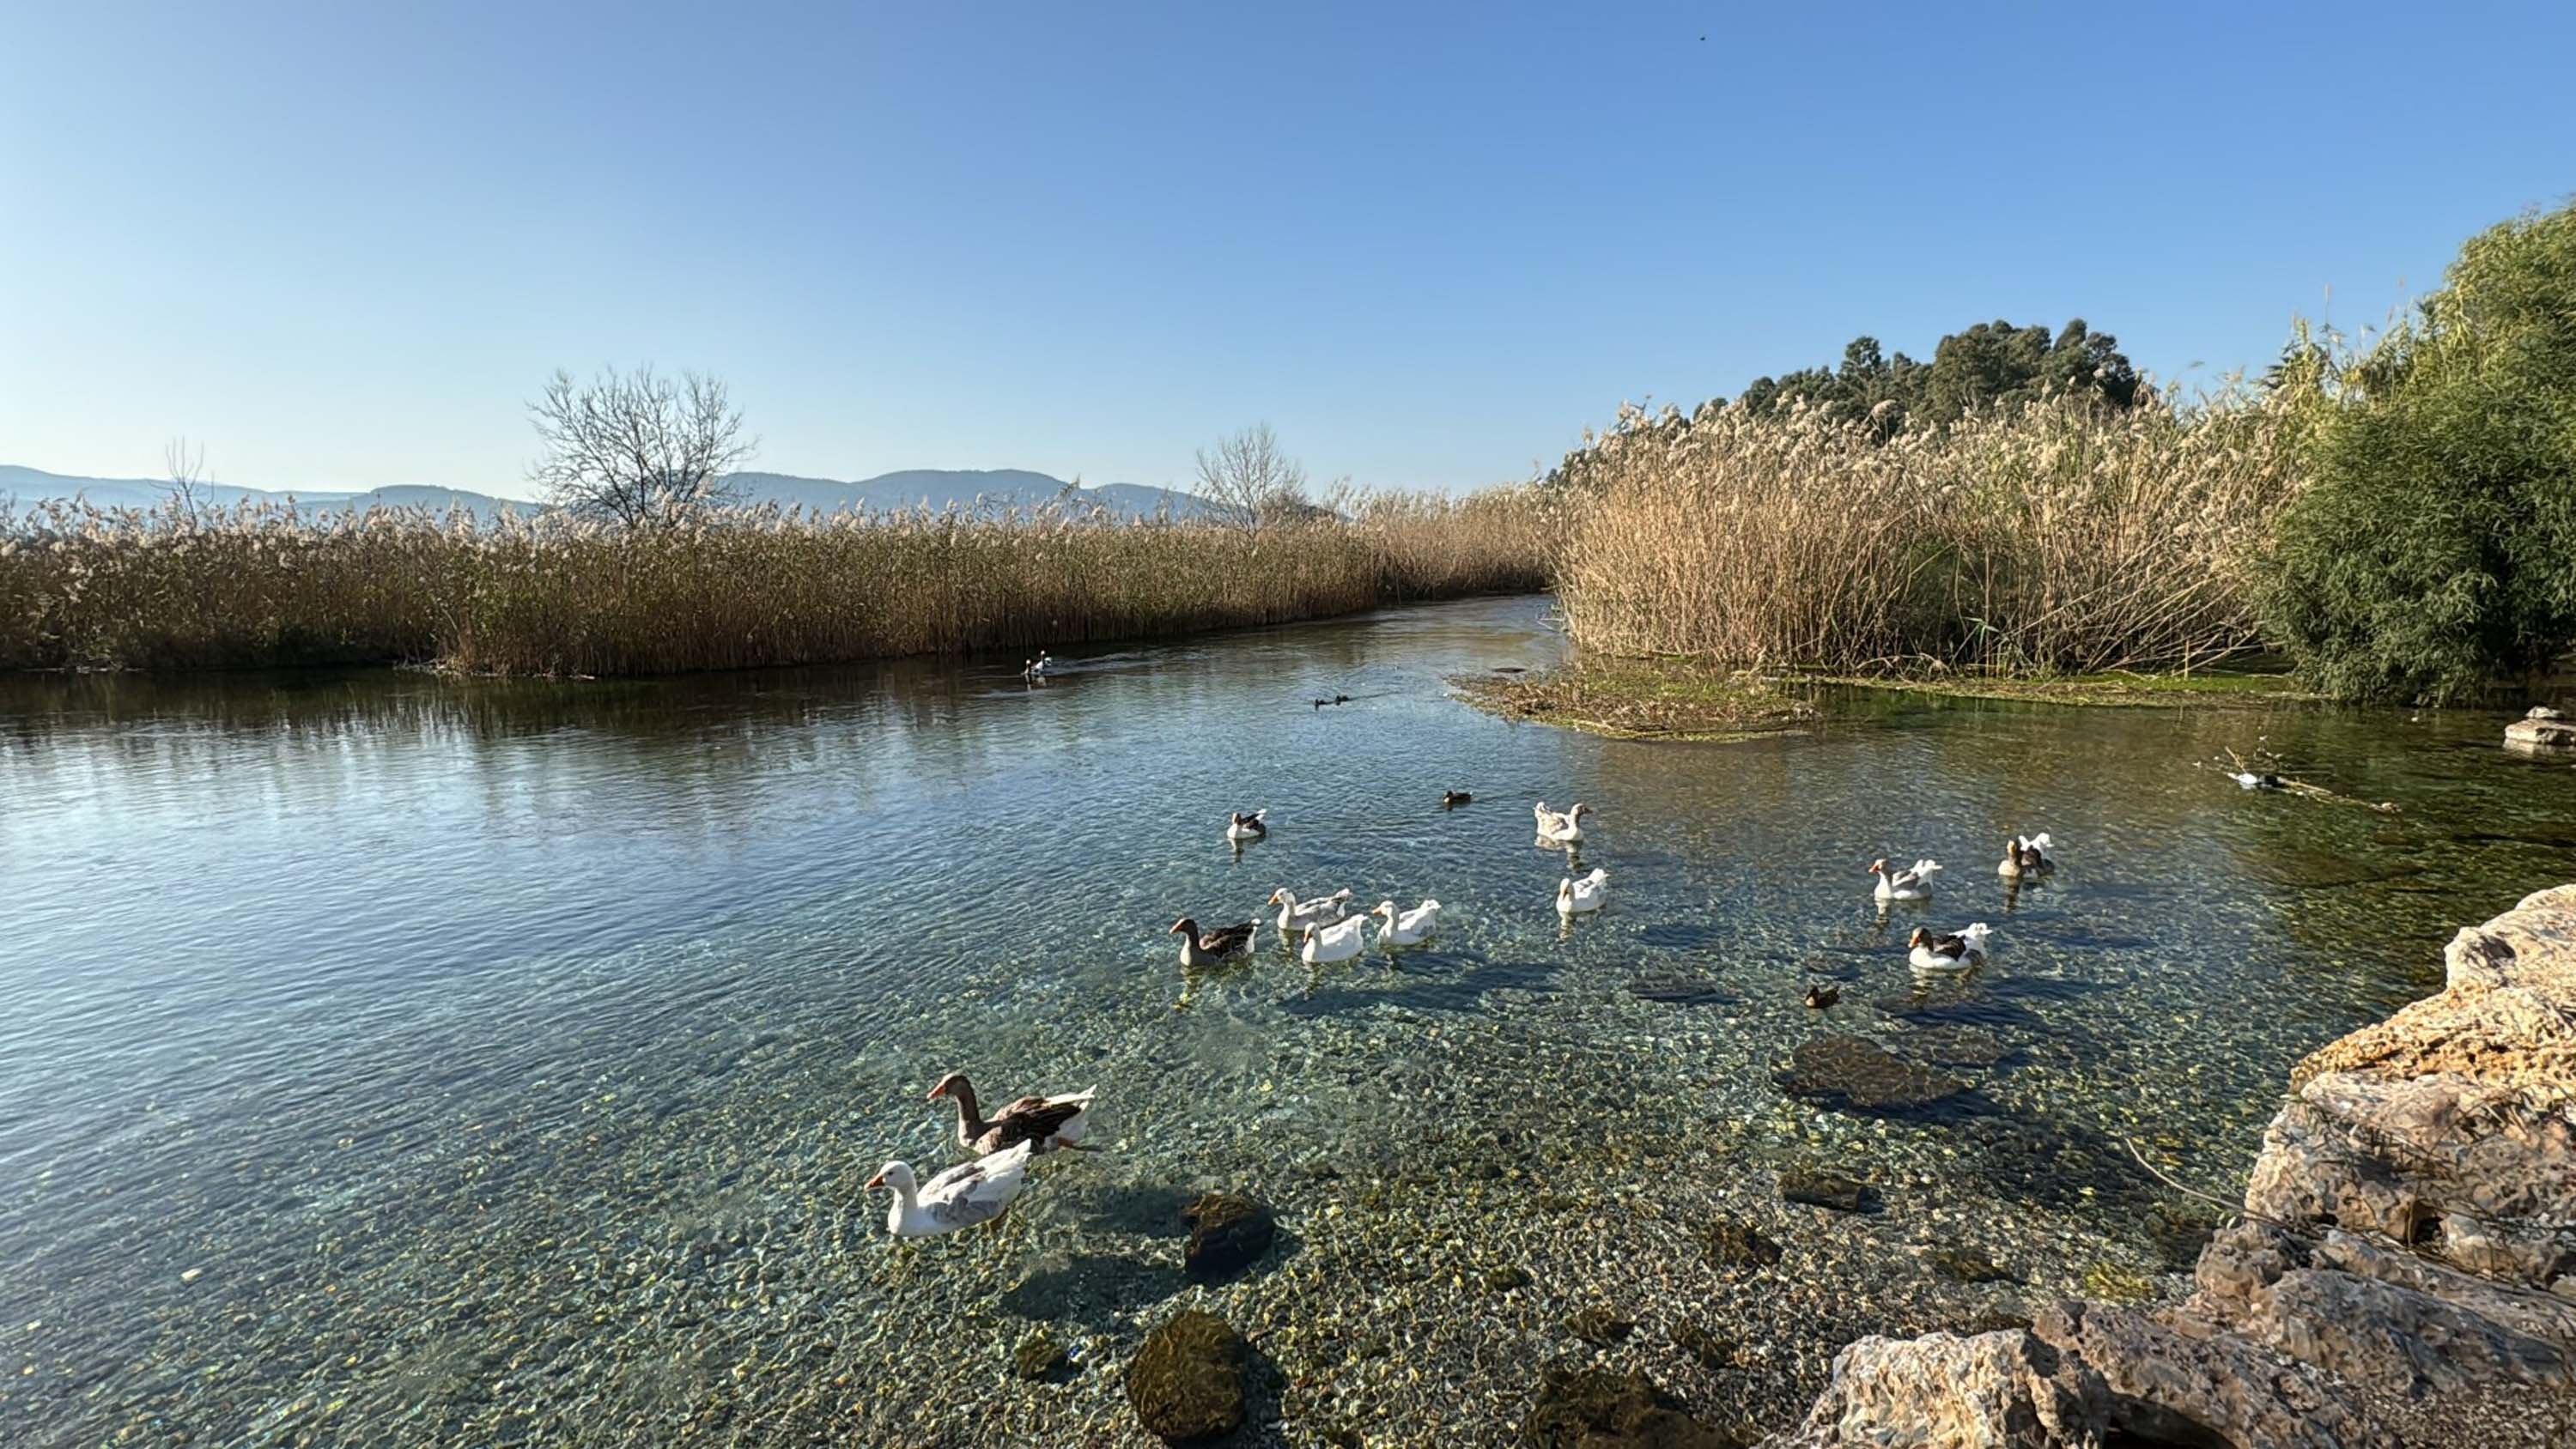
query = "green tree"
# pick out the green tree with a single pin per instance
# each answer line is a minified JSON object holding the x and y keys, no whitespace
{"x":2435,"y":549}
{"x":1993,"y":364}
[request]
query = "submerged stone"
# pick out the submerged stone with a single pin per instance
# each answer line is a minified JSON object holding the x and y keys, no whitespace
{"x":1506,"y":1278}
{"x":1228,"y":1233}
{"x":1595,"y":1409}
{"x":1186,"y":1382}
{"x":1952,"y":1044}
{"x":1734,"y":1243}
{"x":1818,"y":1188}
{"x":1704,"y":1347}
{"x":1963,"y":1264}
{"x":1855,"y":1073}
{"x":1040,"y":1358}
{"x":1599,"y":1327}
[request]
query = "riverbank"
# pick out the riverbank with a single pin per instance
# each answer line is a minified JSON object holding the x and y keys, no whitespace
{"x":89,"y":589}
{"x":1685,"y":699}
{"x":2399,"y":1275}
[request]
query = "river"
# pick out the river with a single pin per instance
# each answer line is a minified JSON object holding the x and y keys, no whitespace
{"x":393,"y":1060}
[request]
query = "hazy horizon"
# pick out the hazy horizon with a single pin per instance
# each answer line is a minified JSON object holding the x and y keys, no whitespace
{"x":342,"y":249}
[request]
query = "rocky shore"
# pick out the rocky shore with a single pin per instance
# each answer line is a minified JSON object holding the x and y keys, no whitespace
{"x":2542,"y":729}
{"x":2405,"y":1274}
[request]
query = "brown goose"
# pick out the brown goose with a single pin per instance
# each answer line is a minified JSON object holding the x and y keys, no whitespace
{"x":1044,"y":1123}
{"x":1206,"y":948}
{"x":2027,"y":855}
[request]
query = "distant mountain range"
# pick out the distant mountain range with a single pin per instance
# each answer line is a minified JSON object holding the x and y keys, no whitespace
{"x":935,"y":488}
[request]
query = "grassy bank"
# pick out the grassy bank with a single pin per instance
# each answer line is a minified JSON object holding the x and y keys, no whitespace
{"x":82,"y":588}
{"x":1686,"y":699}
{"x":1640,"y":699}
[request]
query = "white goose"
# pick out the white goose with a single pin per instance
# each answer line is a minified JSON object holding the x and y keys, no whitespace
{"x":1911,"y":884}
{"x":1562,"y":826}
{"x":1246,"y":827}
{"x":1574,"y":897}
{"x":1408,"y":928}
{"x":1297,"y":915}
{"x":2028,"y":855}
{"x":1339,"y":941}
{"x":970,"y":1193}
{"x":1949,"y":953}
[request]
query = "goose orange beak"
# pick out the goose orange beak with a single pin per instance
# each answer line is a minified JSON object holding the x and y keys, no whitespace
{"x":876,"y":1182}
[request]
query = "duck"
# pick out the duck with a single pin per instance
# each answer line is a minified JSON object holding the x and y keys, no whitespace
{"x":1338,"y":941}
{"x":1044,"y":1123}
{"x":1407,"y":928}
{"x":1561,"y":826}
{"x":1452,"y":799}
{"x":1297,"y":915}
{"x":1949,"y":953}
{"x":1246,"y":827}
{"x":2248,"y":780}
{"x":1574,"y":897}
{"x":1823,"y":994}
{"x":1202,"y":949}
{"x":1911,"y":884}
{"x":2027,"y":855}
{"x":967,"y":1194}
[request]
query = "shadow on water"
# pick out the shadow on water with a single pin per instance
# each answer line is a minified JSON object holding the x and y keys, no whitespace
{"x":1095,"y":1290}
{"x":1426,"y":992}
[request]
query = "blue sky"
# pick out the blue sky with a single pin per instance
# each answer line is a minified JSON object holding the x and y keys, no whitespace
{"x":342,"y":245}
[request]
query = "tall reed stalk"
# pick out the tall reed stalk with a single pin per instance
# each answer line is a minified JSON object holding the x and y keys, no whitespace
{"x":2061,"y":537}
{"x":86,"y":588}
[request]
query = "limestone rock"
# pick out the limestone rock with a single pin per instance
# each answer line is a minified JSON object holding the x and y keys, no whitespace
{"x":1186,"y":1382}
{"x":2409,"y":1275}
{"x":2004,"y":1390}
{"x":2452,"y":1124}
{"x":2544,"y":727}
{"x":2396,"y":1338}
{"x":2163,"y":1386}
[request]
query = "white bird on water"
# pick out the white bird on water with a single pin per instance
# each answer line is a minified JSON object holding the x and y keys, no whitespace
{"x":1565,"y":827}
{"x":1955,"y":952}
{"x":1407,"y":928}
{"x":1339,"y":941}
{"x":964,"y":1195}
{"x":1911,"y":884}
{"x":1296,"y":915}
{"x":1574,"y":897}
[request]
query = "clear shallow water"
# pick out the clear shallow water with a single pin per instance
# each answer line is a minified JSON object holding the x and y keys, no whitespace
{"x":390,"y":1060}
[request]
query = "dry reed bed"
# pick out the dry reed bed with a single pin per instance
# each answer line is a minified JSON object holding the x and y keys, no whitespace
{"x":86,"y":588}
{"x":2061,"y":538}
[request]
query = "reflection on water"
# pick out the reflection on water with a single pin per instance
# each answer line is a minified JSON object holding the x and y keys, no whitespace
{"x":400,"y":1060}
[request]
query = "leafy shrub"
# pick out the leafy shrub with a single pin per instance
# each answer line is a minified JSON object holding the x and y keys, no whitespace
{"x":2436,"y":550}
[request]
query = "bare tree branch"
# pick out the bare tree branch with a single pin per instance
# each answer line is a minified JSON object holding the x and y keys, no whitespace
{"x":185,"y":472}
{"x":639,"y":448}
{"x":1252,"y":482}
